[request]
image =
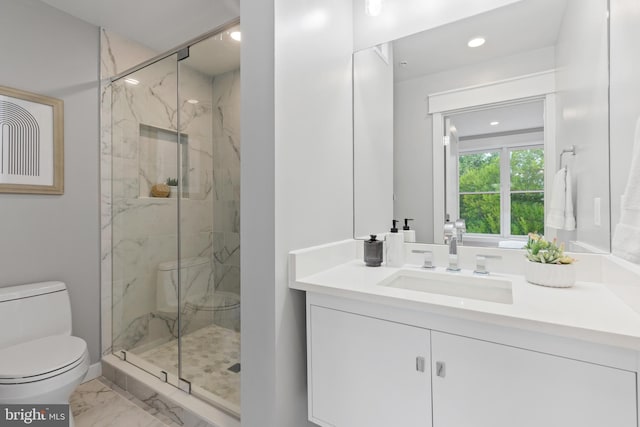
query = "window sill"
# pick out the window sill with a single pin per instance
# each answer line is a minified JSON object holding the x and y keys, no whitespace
{"x":494,"y":241}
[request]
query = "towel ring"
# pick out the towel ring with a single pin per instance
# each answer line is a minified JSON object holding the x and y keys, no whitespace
{"x":571,"y":149}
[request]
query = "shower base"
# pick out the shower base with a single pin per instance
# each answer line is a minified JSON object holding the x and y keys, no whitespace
{"x":210,"y":360}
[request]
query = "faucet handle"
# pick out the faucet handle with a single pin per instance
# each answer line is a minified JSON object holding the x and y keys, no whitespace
{"x":449,"y":230}
{"x":428,"y":257}
{"x":481,"y":263}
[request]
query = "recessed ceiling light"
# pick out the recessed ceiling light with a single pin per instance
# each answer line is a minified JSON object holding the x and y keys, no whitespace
{"x":132,"y":81}
{"x":192,"y":101}
{"x":236,"y":35}
{"x":494,"y":123}
{"x":476,"y":42}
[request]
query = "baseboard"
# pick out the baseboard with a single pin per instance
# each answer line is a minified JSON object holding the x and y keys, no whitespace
{"x":94,"y":372}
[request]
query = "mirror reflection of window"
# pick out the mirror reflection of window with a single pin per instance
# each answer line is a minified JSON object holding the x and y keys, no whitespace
{"x":495,"y":166}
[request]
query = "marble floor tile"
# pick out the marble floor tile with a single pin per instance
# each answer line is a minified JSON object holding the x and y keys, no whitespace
{"x":207,"y":355}
{"x":94,"y":404}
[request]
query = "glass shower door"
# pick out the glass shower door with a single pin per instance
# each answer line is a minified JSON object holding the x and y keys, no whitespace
{"x":175,"y":219}
{"x":209,"y":99}
{"x":145,"y":155}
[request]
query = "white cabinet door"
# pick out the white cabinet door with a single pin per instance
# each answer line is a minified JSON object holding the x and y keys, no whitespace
{"x":483,"y":384}
{"x":365,"y":372}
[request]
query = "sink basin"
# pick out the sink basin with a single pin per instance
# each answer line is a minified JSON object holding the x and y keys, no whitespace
{"x":452,"y":284}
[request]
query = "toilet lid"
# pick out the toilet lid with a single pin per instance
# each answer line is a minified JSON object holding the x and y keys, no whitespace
{"x":42,"y":356}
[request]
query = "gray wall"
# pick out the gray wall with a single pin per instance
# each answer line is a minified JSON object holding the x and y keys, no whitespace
{"x":257,"y":214}
{"x":56,"y":237}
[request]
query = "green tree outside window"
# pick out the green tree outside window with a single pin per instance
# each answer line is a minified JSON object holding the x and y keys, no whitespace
{"x":480,"y":191}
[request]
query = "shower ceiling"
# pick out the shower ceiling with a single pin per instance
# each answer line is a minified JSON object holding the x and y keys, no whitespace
{"x":216,"y":55}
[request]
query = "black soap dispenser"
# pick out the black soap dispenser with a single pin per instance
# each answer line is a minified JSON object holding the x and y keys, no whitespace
{"x":409,"y":234}
{"x":373,"y":252}
{"x":395,"y":247}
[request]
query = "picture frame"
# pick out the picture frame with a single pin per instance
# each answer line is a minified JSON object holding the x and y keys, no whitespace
{"x":31,"y":143}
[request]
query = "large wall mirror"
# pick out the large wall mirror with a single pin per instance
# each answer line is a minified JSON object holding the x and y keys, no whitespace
{"x":500,"y":119}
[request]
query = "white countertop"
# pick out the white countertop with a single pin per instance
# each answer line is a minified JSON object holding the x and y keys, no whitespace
{"x":587,"y":311}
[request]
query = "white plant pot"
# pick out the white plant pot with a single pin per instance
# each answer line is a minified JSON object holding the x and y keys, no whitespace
{"x":173,"y":191}
{"x":553,"y":275}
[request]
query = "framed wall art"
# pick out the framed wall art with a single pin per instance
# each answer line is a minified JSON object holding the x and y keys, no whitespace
{"x":31,"y":143}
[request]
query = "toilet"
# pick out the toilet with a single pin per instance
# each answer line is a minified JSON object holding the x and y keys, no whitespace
{"x":200,"y":303}
{"x":195,"y":276}
{"x":40,"y":361}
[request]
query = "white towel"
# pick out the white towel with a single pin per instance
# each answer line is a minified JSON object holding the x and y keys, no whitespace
{"x":626,"y":238}
{"x":560,"y":214}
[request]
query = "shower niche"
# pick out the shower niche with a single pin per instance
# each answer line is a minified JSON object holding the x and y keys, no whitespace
{"x":159,"y":151}
{"x":176,"y":260}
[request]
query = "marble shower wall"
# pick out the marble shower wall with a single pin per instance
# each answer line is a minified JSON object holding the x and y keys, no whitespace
{"x":117,"y":54}
{"x":226,"y":174}
{"x":144,"y":229}
{"x":139,"y":232}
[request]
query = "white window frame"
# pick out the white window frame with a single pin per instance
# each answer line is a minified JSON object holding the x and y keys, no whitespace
{"x":532,"y":86}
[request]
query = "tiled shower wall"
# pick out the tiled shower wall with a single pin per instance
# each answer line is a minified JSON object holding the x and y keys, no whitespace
{"x":144,"y":229}
{"x":226,"y":173}
{"x":116,"y":55}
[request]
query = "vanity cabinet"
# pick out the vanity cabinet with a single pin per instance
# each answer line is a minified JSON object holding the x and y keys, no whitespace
{"x":483,"y":384}
{"x":365,"y":371}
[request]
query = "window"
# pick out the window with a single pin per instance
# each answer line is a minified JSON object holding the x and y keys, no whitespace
{"x":501,"y":190}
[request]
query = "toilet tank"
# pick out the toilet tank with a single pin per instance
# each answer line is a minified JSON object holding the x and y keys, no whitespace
{"x":32,"y":311}
{"x":195,"y":275}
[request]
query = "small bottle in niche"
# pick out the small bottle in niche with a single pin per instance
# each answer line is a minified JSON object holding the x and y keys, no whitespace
{"x":373,"y":252}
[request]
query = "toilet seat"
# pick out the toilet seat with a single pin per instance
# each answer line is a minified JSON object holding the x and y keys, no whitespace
{"x":41,"y":359}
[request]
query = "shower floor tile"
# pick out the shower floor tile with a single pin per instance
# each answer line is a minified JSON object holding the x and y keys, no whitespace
{"x":207,"y":355}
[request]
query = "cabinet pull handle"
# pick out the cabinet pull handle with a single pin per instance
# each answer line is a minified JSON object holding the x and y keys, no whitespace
{"x":420,"y":364}
{"x":441,"y":369}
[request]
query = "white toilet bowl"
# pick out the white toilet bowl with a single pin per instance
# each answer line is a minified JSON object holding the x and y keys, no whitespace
{"x":42,"y":371}
{"x":40,"y":361}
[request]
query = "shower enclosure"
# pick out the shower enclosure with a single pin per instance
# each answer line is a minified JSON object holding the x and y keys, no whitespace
{"x":175,"y":191}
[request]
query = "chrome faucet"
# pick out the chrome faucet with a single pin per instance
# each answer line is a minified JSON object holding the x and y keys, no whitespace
{"x":428,"y":258}
{"x":453,"y":254}
{"x":461,"y":228}
{"x":449,"y":231}
{"x":455,"y":229}
{"x":481,"y":263}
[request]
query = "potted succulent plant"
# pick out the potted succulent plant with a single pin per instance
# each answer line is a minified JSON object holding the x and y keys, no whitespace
{"x":547,"y":264}
{"x":173,"y":187}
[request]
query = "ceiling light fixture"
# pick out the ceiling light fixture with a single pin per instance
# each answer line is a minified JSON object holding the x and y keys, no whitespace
{"x":373,"y":7}
{"x":494,"y":123}
{"x":192,"y":101}
{"x":236,"y":35}
{"x":132,"y":81}
{"x":476,"y":42}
